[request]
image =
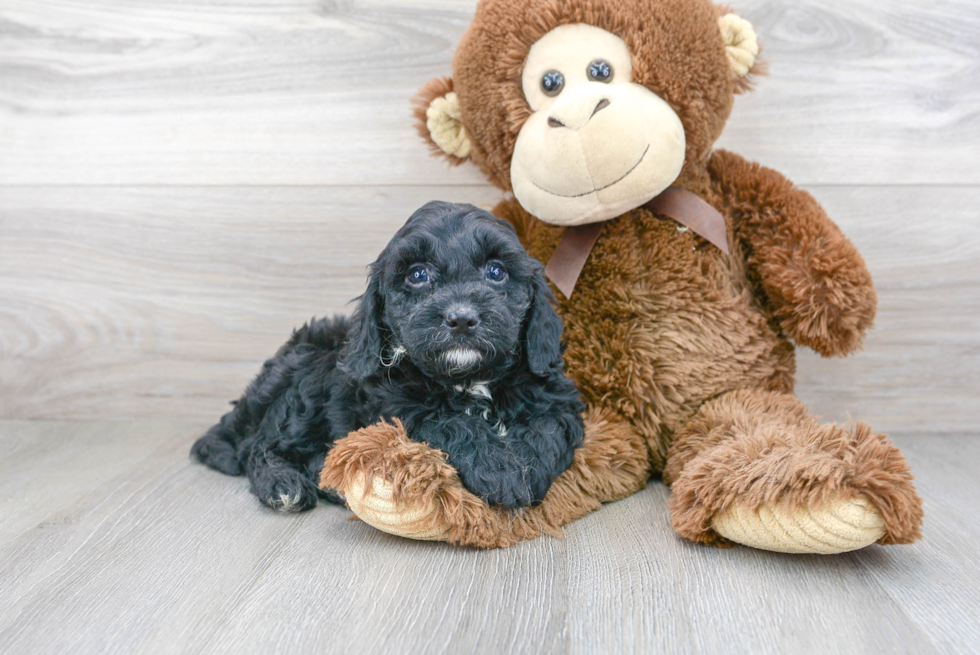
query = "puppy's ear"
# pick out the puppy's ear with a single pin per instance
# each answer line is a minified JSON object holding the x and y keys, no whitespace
{"x":542,"y":339}
{"x":361,"y":357}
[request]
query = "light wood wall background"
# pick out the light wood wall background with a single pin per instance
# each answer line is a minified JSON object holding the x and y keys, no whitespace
{"x":184,"y":181}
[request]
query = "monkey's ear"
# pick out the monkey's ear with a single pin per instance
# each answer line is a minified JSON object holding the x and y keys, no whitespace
{"x":742,"y":48}
{"x":361,"y":356}
{"x":438,"y":120}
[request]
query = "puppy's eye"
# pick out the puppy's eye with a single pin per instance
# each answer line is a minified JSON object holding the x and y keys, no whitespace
{"x":600,"y":71}
{"x":552,"y":83}
{"x":496,"y":271}
{"x":417,"y":275}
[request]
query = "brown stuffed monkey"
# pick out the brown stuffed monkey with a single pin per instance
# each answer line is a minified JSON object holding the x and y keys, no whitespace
{"x":683,"y":274}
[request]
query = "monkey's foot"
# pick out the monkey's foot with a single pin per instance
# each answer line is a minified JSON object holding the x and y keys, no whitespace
{"x":836,"y":527}
{"x":755,"y":469}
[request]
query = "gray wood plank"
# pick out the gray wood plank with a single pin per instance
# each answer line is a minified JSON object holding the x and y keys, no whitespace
{"x":135,"y":568}
{"x":47,"y":466}
{"x":937,"y":581}
{"x":640,"y":586}
{"x":305,"y":92}
{"x":374,"y":593}
{"x":863,"y":92}
{"x":744,"y":600}
{"x":178,"y":558}
{"x":130,"y":302}
{"x":172,"y":557}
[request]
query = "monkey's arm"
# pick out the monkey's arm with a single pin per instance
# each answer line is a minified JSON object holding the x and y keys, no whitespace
{"x":815,"y":281}
{"x":408,"y":489}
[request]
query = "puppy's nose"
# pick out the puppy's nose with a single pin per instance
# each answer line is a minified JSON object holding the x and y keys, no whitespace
{"x":462,"y":320}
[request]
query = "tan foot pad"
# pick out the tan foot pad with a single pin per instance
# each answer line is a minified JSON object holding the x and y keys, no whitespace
{"x":837,"y":527}
{"x":379,"y":510}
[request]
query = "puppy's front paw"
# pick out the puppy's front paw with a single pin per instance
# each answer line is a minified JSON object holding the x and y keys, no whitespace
{"x":507,"y":489}
{"x":390,"y":482}
{"x":285,"y":490}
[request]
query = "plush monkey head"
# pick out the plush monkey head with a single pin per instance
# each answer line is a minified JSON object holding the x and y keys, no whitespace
{"x":586,"y":109}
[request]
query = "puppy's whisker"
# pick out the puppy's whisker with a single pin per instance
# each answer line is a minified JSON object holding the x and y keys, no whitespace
{"x":492,"y":346}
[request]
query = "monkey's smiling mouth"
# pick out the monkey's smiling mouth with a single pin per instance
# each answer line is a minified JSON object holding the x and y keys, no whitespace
{"x":616,"y":181}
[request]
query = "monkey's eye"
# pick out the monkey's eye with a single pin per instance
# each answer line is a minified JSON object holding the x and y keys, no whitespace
{"x":417,"y":275}
{"x":600,"y":71}
{"x":496,"y":271}
{"x":552,"y":83}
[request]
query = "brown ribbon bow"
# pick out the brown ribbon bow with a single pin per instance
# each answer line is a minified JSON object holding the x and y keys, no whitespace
{"x":683,"y":206}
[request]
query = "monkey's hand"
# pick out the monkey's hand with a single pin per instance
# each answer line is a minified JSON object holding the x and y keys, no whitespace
{"x":391,"y":482}
{"x":408,"y":489}
{"x":816,"y":283}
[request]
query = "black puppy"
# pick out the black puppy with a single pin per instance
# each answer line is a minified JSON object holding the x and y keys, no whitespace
{"x":455,"y":336}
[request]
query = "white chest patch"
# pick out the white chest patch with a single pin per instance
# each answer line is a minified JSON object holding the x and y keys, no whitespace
{"x":477,"y":389}
{"x":480,"y":389}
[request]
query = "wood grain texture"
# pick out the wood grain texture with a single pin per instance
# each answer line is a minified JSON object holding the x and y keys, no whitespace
{"x":44,"y":466}
{"x":945,"y":563}
{"x":317,"y":92}
{"x":165,"y":556}
{"x":135,"y":302}
{"x":640,"y":586}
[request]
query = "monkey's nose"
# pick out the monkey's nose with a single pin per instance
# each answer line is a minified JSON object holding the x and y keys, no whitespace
{"x":462,"y":320}
{"x":576,"y":123}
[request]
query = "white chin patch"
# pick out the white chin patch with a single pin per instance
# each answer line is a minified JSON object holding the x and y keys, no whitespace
{"x":459,"y":359}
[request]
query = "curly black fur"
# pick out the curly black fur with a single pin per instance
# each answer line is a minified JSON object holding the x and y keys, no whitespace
{"x":466,"y":354}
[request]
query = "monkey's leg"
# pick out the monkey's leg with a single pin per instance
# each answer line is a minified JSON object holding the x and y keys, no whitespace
{"x":408,"y":489}
{"x":753,"y":467}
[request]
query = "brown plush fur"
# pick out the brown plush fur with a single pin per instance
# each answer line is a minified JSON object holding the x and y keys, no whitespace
{"x":686,"y":350}
{"x":611,"y":464}
{"x":754,"y":447}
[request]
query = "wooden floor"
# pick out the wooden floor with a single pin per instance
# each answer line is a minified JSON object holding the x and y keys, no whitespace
{"x":182,"y":183}
{"x":112,"y":541}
